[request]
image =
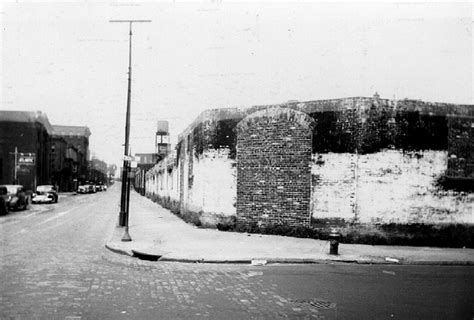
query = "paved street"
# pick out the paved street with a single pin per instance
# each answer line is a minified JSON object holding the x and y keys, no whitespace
{"x":54,"y":266}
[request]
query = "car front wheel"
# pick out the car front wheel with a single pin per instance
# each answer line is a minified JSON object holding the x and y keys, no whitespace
{"x":3,"y":208}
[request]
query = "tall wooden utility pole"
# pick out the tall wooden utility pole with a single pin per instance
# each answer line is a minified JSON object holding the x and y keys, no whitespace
{"x":125,"y":195}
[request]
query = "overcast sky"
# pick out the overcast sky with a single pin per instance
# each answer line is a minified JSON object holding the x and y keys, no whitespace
{"x":68,"y":61}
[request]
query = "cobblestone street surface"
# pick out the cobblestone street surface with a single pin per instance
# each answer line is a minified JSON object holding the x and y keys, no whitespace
{"x":54,"y":266}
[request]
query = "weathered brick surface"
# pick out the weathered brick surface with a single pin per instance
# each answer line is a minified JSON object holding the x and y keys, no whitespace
{"x":195,"y":184}
{"x":385,"y":187}
{"x":380,"y":161}
{"x":273,"y":168}
{"x":461,"y":147}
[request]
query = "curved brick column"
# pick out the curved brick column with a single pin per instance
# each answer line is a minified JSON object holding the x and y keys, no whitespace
{"x":273,"y":167}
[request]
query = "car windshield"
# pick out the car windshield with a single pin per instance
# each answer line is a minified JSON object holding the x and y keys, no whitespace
{"x":44,"y":188}
{"x":11,"y":189}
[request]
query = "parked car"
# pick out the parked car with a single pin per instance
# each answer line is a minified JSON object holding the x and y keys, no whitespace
{"x":82,"y":189}
{"x":45,"y":194}
{"x":87,"y":188}
{"x":14,"y":197}
{"x":101,"y":187}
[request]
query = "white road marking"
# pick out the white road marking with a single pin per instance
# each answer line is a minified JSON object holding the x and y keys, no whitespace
{"x":389,"y":272}
{"x":15,"y":218}
{"x":60,"y":214}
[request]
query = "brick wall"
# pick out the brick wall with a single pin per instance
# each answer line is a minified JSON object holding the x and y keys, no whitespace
{"x":373,"y":161}
{"x":390,"y":186}
{"x":273,"y":168}
{"x":27,"y":137}
{"x":461,"y":147}
{"x":214,"y":188}
{"x":162,"y":183}
{"x":201,"y":185}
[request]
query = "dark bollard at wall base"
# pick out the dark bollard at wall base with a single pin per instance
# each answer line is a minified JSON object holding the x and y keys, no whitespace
{"x":334,"y":237}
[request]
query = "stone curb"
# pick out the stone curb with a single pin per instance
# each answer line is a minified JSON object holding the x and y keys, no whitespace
{"x":163,"y":258}
{"x":118,"y":250}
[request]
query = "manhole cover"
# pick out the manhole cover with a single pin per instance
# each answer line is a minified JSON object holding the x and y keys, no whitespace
{"x":316,"y":303}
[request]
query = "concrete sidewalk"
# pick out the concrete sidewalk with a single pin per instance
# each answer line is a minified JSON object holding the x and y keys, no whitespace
{"x":157,"y":233}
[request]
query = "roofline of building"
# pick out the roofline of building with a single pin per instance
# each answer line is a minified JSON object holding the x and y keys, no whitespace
{"x":32,"y":116}
{"x":335,"y":104}
{"x":59,"y":130}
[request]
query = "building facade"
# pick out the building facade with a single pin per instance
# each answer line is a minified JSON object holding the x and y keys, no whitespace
{"x":145,"y":161}
{"x":25,"y":142}
{"x":33,"y":152}
{"x":74,"y":168}
{"x":64,"y":164}
{"x":98,"y":172}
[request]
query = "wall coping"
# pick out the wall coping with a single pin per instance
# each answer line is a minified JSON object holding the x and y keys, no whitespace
{"x":336,"y":104}
{"x":277,"y":112}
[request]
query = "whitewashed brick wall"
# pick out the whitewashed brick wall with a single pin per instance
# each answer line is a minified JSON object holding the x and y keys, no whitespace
{"x":385,"y":187}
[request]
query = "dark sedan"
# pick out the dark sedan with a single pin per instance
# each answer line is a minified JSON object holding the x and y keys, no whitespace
{"x":14,"y":197}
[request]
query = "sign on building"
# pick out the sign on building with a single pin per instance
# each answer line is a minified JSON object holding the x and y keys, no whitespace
{"x":26,"y":159}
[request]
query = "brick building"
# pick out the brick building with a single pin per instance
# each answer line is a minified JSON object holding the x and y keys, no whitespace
{"x":98,"y":171}
{"x":145,"y":161}
{"x":46,"y":154}
{"x":74,"y":167}
{"x":30,"y":134}
{"x":64,"y":164}
{"x":351,"y":160}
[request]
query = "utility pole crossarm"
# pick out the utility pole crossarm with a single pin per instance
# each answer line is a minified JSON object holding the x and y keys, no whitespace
{"x":129,"y":20}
